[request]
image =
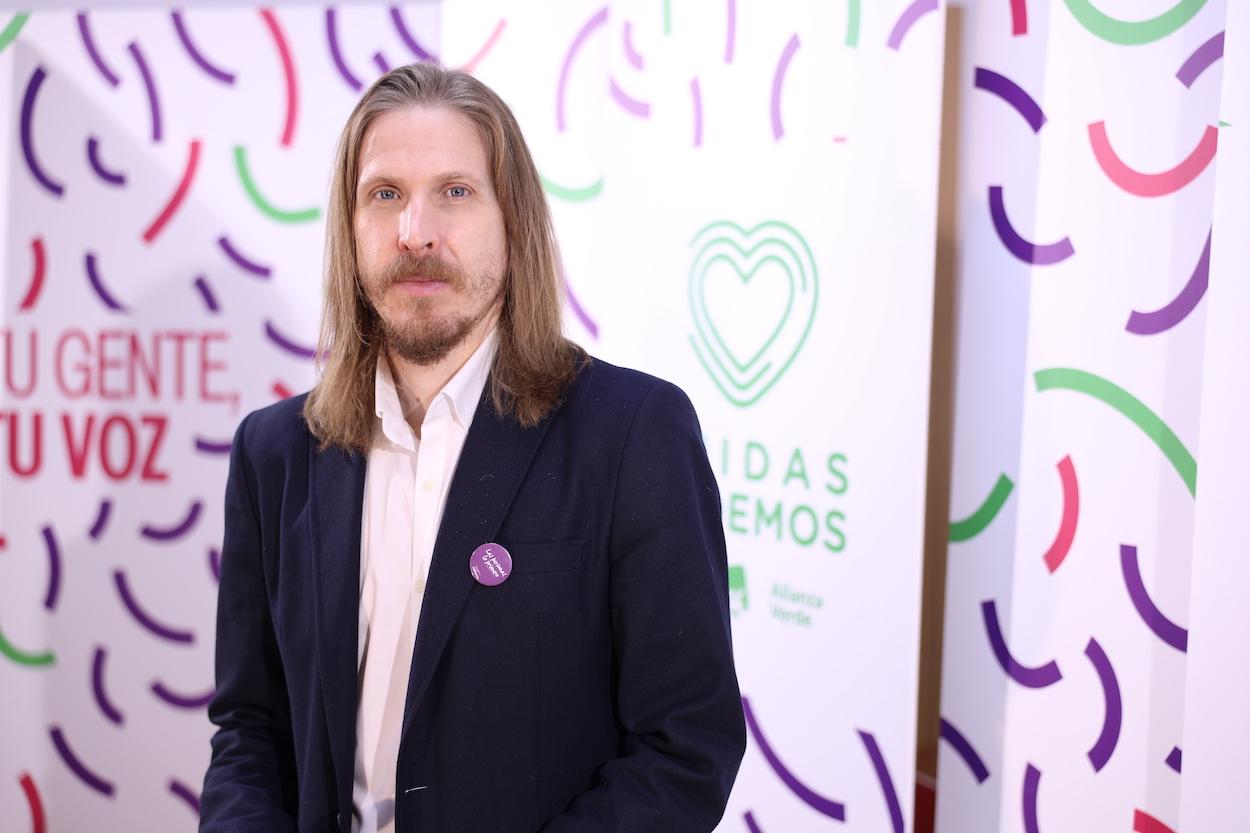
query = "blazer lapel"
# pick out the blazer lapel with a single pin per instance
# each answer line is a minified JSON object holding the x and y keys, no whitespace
{"x":336,"y":500}
{"x":496,"y":455}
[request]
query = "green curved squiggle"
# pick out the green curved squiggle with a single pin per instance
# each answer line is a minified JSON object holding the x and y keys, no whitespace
{"x":565,"y":192}
{"x":974,"y":524}
{"x":23,"y":658}
{"x":1133,"y":33}
{"x":10,"y":31}
{"x":1063,"y":378}
{"x":852,"y":23}
{"x":249,"y":185}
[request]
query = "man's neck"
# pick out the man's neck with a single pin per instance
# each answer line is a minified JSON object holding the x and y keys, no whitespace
{"x":418,"y":384}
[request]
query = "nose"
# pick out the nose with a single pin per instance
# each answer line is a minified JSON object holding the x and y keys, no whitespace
{"x":418,"y":230}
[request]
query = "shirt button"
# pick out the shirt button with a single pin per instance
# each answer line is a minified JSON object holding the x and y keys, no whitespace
{"x":428,"y":485}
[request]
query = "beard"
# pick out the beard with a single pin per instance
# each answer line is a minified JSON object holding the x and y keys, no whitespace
{"x":418,"y":334}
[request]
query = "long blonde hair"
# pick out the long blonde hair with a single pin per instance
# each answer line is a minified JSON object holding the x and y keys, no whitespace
{"x":534,"y":363}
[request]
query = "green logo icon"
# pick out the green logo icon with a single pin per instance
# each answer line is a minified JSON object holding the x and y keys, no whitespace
{"x":753,"y":300}
{"x":737,"y":589}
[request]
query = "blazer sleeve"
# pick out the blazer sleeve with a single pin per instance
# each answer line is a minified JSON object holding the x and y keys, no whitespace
{"x":678,"y":702}
{"x":250,"y":784}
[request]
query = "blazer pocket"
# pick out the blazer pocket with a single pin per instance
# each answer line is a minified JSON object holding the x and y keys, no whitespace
{"x":546,"y":556}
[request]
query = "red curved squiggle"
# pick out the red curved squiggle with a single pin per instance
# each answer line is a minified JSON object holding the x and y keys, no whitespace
{"x":38,"y":824}
{"x":281,"y":391}
{"x":288,"y":70}
{"x":36,"y":279}
{"x":1152,"y":185}
{"x":1143,"y":822}
{"x":180,"y":194}
{"x":1071,"y":511}
{"x":1019,"y":18}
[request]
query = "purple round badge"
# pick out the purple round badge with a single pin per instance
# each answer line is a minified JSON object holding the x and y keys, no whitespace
{"x":490,"y":564}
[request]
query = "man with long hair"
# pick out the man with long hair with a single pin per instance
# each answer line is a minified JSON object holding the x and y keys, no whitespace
{"x":475,"y":580}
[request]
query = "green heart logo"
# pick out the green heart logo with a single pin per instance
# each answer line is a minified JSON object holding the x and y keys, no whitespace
{"x":753,"y":300}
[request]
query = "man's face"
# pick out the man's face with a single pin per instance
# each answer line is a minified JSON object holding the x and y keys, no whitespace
{"x":430,"y":242}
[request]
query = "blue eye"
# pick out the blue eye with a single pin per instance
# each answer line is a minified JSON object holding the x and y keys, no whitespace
{"x":458,"y":191}
{"x":382,"y":194}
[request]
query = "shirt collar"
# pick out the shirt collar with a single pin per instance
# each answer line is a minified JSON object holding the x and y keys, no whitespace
{"x":461,"y":393}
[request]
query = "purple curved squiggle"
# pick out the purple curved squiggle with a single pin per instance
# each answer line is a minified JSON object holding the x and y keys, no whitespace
{"x":147,"y":622}
{"x":731,"y":29}
{"x":246,"y":264}
{"x":631,"y":54}
{"x":1032,"y":779}
{"x":101,"y":519}
{"x":911,"y":14}
{"x":181,"y":701}
{"x":206,"y":292}
{"x":76,"y":766}
{"x":578,"y":311}
{"x":93,"y":157}
{"x":1162,"y":627}
{"x":98,"y":285}
{"x":596,"y":20}
{"x":271,"y":332}
{"x":1176,"y":310}
{"x":825,"y":806}
{"x":214,"y":562}
{"x":1203,"y":57}
{"x":779,"y":76}
{"x":883,"y":776}
{"x":1012,"y":93}
{"x":696,"y":99}
{"x":1174,"y":758}
{"x":964,"y":749}
{"x":212,"y":446}
{"x":173,"y":533}
{"x":54,"y":568}
{"x":28,"y":145}
{"x":1039,"y":255}
{"x":633,"y":106}
{"x":750,"y":820}
{"x":379,"y":61}
{"x":336,"y":53}
{"x":408,"y":39}
{"x":185,"y":793}
{"x":1101,"y":751}
{"x":97,"y":687}
{"x":84,"y":31}
{"x":1039,"y":677}
{"x":203,"y":63}
{"x":149,"y":85}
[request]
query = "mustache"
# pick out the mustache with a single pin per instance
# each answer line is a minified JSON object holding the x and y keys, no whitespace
{"x":408,"y":265}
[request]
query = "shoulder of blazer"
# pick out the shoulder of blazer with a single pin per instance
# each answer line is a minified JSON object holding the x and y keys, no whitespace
{"x":276,"y":432}
{"x":609,"y":392}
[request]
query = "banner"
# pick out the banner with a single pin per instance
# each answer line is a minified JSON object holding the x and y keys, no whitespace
{"x":744,"y":196}
{"x":1068,"y":592}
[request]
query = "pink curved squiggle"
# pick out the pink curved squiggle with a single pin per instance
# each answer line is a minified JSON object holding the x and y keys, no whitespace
{"x":696,"y":99}
{"x":1058,"y":550}
{"x":1152,"y":185}
{"x":472,"y":63}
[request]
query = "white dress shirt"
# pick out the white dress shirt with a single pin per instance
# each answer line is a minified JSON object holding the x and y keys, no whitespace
{"x":406,"y":481}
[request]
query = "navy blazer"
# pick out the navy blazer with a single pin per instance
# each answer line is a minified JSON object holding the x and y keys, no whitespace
{"x":594,"y":690}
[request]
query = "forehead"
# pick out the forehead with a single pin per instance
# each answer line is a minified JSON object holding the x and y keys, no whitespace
{"x":422,"y":141}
